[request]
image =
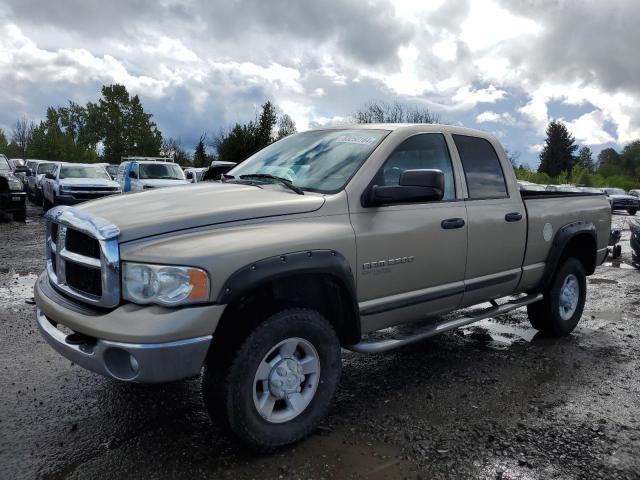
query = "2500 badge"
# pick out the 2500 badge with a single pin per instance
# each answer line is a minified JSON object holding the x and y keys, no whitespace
{"x":382,"y":265}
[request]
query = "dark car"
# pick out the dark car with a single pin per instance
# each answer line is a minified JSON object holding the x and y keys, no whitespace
{"x":619,"y":200}
{"x":12,"y":195}
{"x":634,"y":226}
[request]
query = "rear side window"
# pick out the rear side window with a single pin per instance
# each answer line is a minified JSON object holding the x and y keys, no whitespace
{"x":482,"y":170}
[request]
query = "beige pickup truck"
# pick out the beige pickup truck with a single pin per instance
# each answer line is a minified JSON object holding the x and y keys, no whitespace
{"x":304,"y":249}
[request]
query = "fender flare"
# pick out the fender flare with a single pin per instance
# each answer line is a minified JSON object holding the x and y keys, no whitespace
{"x":261,"y":272}
{"x":562,"y":237}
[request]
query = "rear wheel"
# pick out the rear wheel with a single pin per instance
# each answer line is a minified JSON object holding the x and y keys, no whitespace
{"x":559,"y":312}
{"x":632,"y":211}
{"x":275,"y":388}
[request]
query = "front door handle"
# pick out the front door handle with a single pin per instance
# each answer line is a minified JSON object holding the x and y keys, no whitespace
{"x":451,"y":223}
{"x":513,"y":217}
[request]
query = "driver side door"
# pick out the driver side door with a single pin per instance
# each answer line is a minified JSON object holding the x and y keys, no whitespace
{"x":411,"y":257}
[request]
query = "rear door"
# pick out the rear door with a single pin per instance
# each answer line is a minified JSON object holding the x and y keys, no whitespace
{"x":496,"y":220}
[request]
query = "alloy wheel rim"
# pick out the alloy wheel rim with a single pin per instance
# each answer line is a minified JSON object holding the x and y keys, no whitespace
{"x":569,"y":296}
{"x":286,"y":380}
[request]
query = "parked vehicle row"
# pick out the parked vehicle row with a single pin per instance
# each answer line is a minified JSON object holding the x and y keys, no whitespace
{"x":617,"y":197}
{"x":71,"y":183}
{"x":12,"y":195}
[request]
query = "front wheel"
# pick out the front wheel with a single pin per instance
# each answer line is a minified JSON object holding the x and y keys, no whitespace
{"x":20,"y":216}
{"x":280,"y":382}
{"x":559,"y":312}
{"x":632,"y":211}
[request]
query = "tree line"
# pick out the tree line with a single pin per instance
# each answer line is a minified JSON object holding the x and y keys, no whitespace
{"x":562,"y":161}
{"x":117,"y":126}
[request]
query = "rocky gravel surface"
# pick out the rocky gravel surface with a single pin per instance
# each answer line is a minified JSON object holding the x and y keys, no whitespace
{"x":494,"y":400}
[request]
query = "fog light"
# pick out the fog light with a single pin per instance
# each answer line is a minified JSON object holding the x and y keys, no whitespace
{"x":121,"y":364}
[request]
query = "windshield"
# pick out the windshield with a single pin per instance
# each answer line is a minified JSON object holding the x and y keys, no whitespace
{"x":321,"y":161}
{"x":4,"y":165}
{"x":614,"y":191}
{"x":161,"y":171}
{"x":80,"y":171}
{"x":46,"y":168}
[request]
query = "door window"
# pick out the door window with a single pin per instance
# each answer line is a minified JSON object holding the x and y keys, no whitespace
{"x":425,"y":151}
{"x":482,"y":170}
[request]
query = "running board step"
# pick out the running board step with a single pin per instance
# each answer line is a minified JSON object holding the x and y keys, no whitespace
{"x":385,"y":345}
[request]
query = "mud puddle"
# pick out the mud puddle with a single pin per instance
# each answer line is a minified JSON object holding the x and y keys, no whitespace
{"x":17,"y":289}
{"x":499,"y":336}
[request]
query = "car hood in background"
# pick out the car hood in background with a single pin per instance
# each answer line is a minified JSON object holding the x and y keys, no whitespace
{"x":154,"y":212}
{"x":87,"y":182}
{"x":160,"y":183}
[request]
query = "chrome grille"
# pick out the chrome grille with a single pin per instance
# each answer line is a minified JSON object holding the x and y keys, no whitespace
{"x":89,"y":244}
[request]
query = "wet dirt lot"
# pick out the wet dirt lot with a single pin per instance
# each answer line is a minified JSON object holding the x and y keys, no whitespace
{"x":493,"y":400}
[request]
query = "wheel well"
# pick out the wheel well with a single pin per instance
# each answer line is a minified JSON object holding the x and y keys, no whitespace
{"x":583,"y":247}
{"x":322,"y":292}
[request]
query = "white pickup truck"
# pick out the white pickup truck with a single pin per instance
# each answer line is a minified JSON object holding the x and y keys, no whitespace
{"x":71,"y":183}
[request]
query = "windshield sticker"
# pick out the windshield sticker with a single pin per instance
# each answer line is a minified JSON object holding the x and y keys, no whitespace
{"x":356,"y":139}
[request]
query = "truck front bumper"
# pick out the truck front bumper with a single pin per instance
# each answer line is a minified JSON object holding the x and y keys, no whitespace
{"x":144,"y":362}
{"x":145,"y":344}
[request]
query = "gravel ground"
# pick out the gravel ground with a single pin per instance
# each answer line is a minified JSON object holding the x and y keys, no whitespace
{"x":494,"y":400}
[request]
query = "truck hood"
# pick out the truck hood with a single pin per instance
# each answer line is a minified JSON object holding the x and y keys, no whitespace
{"x":154,"y":212}
{"x":160,"y":183}
{"x":87,"y":182}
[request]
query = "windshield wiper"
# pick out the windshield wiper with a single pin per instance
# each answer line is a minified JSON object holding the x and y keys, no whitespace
{"x":283,"y":181}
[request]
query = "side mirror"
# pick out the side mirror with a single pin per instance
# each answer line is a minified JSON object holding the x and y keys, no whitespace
{"x":133,"y":174}
{"x":414,"y":186}
{"x":50,"y":176}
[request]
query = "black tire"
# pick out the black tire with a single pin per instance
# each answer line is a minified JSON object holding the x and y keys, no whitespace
{"x":38,"y":198}
{"x":20,"y":216}
{"x":545,"y":315}
{"x":228,"y":385}
{"x":632,"y":211}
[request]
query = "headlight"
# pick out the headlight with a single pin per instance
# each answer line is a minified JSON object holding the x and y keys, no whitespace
{"x":164,"y":284}
{"x":64,"y":189}
{"x":15,"y":184}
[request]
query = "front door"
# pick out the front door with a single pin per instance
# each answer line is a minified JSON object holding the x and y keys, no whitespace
{"x":411,"y":257}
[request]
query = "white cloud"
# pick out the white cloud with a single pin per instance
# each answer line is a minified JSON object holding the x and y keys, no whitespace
{"x":489,"y":116}
{"x":588,"y":129}
{"x":536,"y":148}
{"x":466,"y":98}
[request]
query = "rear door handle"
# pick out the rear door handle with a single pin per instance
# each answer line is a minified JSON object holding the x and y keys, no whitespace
{"x":513,"y":217}
{"x":451,"y":223}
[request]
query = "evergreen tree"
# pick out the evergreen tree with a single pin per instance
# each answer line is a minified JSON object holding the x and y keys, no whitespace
{"x":200,"y":154}
{"x":585,"y":159}
{"x":558,"y":153}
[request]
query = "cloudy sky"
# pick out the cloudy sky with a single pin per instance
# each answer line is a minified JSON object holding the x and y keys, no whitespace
{"x":503,"y":66}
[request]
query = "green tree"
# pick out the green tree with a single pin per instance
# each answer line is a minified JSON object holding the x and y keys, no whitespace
{"x":119,"y":122}
{"x":608,"y":156}
{"x":630,"y":159}
{"x":585,"y":159}
{"x":245,"y":140}
{"x":286,"y":126}
{"x":558,"y":153}
{"x":4,"y":143}
{"x":200,"y":154}
{"x":172,"y":148}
